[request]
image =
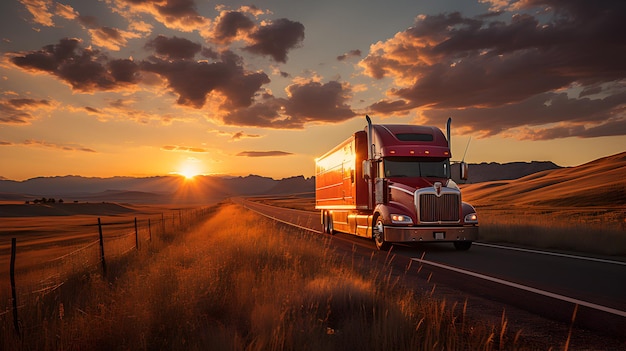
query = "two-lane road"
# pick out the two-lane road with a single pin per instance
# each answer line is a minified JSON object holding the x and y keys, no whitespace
{"x":548,"y":284}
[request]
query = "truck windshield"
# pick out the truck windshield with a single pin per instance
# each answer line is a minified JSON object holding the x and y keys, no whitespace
{"x":416,"y":167}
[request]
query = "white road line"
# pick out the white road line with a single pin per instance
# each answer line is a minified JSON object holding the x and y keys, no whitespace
{"x":526,"y":288}
{"x":551,"y":253}
{"x":280,"y":220}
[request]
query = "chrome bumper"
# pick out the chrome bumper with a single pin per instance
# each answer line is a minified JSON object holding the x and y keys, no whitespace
{"x":430,"y":234}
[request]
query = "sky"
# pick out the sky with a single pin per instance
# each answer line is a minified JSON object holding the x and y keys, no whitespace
{"x":103,"y":88}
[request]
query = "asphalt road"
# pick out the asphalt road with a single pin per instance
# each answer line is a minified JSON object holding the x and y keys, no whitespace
{"x":549,"y":284}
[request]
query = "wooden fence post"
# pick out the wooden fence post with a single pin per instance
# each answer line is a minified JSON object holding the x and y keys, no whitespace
{"x":136,"y":236}
{"x":104,"y":265}
{"x":162,"y":223}
{"x":13,"y":293}
{"x":149,"y":230}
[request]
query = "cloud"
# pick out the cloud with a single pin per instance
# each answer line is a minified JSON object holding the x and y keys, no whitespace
{"x":566,"y":117}
{"x":238,"y":135}
{"x":174,"y":14}
{"x":62,"y":147}
{"x":276,"y":38}
{"x":65,"y":11}
{"x":184,"y":148}
{"x":111,"y":38}
{"x":84,"y":69}
{"x":307,"y":102}
{"x":229,"y":25}
{"x":349,"y":54}
{"x":22,"y":111}
{"x":451,"y":62}
{"x":193,"y":81}
{"x":174,"y":48}
{"x":40,"y":10}
{"x":264,"y":153}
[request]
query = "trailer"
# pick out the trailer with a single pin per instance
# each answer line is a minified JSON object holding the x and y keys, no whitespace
{"x":392,"y":183}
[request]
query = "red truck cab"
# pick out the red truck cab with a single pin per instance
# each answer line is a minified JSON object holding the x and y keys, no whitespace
{"x":392,"y":183}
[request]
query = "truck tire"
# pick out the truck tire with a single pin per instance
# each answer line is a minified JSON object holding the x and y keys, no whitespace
{"x":378,"y":233}
{"x":328,"y":224}
{"x":462,"y":245}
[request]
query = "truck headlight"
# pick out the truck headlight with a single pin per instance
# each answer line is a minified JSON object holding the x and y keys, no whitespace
{"x":401,"y":219}
{"x":471,"y":218}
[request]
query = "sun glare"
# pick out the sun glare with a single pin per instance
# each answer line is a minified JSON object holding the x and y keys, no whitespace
{"x":189,"y":168}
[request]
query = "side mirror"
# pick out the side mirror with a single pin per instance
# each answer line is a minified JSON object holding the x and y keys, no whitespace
{"x":464,"y":170}
{"x":367,"y":169}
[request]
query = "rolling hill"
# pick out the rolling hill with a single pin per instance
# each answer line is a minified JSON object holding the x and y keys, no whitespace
{"x":600,"y":183}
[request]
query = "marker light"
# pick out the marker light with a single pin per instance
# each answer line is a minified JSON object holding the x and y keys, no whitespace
{"x":471,"y":218}
{"x":401,"y":219}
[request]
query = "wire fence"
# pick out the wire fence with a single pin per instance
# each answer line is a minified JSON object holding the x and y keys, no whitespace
{"x":33,"y":274}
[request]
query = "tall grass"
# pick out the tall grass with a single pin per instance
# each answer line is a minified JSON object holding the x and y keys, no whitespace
{"x":592,"y":232}
{"x":239,"y":282}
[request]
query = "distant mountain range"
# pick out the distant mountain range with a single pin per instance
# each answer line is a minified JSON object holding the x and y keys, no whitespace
{"x":206,"y":189}
{"x":161,"y":189}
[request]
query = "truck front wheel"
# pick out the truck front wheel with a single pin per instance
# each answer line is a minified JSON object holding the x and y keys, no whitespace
{"x":462,"y":245}
{"x":378,"y":232}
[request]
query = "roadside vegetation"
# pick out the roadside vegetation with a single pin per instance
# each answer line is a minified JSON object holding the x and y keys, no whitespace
{"x":240,"y":282}
{"x":588,"y":231}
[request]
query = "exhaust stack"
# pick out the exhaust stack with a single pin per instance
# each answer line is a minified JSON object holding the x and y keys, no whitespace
{"x":370,"y":147}
{"x":448,"y":132}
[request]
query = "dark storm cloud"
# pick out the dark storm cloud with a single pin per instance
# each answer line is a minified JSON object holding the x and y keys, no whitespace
{"x":229,"y":24}
{"x":276,"y":38}
{"x":174,"y":48}
{"x":306,"y":102}
{"x":264,"y":153}
{"x":193,"y":81}
{"x":450,"y":62}
{"x":84,"y":69}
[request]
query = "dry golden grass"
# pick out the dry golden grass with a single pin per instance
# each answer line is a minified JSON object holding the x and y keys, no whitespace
{"x":240,"y":282}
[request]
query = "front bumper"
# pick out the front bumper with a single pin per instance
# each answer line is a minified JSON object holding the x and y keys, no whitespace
{"x":430,"y":234}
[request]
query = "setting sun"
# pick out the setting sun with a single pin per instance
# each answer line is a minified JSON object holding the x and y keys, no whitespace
{"x":190,"y":168}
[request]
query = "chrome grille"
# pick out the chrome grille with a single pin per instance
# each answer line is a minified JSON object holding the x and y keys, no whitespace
{"x":444,"y":208}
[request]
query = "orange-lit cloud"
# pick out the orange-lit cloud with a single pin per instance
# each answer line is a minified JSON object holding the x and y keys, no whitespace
{"x":111,"y":38}
{"x":263,"y":153}
{"x":184,"y":148}
{"x":22,"y":110}
{"x":65,"y":11}
{"x":174,"y":14}
{"x":56,"y":146}
{"x":40,"y":10}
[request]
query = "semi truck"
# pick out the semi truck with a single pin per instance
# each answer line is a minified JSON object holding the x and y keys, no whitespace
{"x":393,"y":183}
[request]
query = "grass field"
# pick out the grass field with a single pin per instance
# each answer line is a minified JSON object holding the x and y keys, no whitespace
{"x":240,"y":282}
